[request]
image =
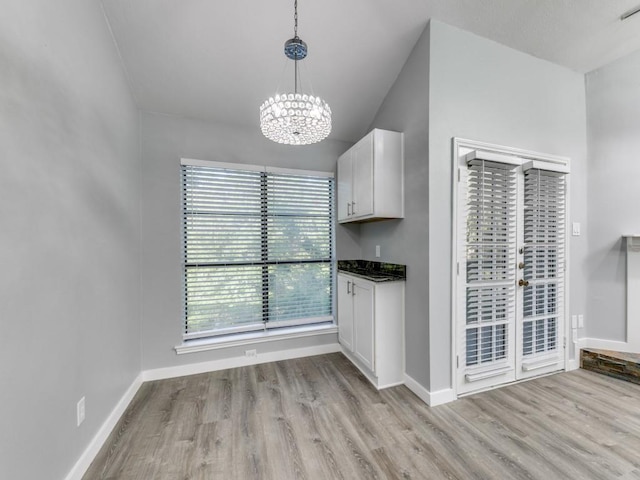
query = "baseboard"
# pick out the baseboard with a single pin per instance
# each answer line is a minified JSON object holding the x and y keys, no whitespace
{"x":572,"y":365}
{"x":83,"y":463}
{"x":223,"y":364}
{"x":389,"y":385}
{"x":81,"y":466}
{"x":430,"y":398}
{"x":605,"y":344}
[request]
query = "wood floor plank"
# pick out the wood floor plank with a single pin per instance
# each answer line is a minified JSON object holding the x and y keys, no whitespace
{"x":562,"y":447}
{"x":318,"y":418}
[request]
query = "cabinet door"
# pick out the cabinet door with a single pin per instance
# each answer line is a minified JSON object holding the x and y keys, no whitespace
{"x":362,"y":160}
{"x":344,"y":186}
{"x":363,"y":318}
{"x":345,"y":312}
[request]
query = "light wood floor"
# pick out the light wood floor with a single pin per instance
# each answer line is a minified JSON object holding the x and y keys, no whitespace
{"x":318,"y":418}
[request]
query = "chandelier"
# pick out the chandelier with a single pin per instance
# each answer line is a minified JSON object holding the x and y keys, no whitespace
{"x":295,"y":118}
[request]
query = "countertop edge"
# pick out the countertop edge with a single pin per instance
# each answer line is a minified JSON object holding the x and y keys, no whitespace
{"x":373,"y":279}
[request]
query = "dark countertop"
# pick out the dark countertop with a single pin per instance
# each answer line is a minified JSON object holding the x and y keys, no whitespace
{"x":374,"y":271}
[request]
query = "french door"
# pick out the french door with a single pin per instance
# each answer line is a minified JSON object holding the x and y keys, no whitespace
{"x":510,"y":269}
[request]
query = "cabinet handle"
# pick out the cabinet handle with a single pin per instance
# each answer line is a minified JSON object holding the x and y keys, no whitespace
{"x":353,"y":289}
{"x":348,"y":207}
{"x":353,"y":208}
{"x":348,"y":287}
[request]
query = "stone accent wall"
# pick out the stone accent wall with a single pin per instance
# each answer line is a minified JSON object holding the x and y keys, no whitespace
{"x":622,"y":365}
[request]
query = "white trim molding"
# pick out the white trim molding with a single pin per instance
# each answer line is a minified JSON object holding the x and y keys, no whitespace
{"x":632,"y":339}
{"x":193,"y":162}
{"x":573,"y":364}
{"x":432,"y":399}
{"x":633,"y":290}
{"x":96,"y":443}
{"x":250,"y":338}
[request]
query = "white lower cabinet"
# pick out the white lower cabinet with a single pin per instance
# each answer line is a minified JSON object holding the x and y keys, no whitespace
{"x":371,"y":327}
{"x":363,"y":323}
{"x":345,"y":312}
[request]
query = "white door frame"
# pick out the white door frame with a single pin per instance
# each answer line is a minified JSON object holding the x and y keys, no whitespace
{"x":459,"y":144}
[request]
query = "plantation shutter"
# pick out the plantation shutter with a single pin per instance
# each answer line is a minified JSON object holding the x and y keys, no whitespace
{"x":510,"y":267}
{"x":490,"y":258}
{"x":544,"y":258}
{"x":258,"y":248}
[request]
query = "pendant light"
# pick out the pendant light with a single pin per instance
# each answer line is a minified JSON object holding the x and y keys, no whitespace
{"x":295,"y":118}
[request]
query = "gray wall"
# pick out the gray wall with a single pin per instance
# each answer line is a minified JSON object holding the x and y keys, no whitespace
{"x":69,"y":281}
{"x":481,"y":90}
{"x":166,"y":139}
{"x":406,"y":109}
{"x":456,"y":84}
{"x":613,"y":112}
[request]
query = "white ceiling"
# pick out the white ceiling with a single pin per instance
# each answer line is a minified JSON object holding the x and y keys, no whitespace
{"x":219,"y":60}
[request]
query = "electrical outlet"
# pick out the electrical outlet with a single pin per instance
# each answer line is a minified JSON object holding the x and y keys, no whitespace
{"x":377,"y":251}
{"x":580,"y":321}
{"x":80,"y":411}
{"x":251,"y":353}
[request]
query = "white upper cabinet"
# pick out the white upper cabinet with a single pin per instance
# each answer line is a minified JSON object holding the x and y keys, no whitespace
{"x":371,"y":178}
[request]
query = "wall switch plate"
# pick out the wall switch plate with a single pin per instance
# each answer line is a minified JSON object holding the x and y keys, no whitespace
{"x":251,"y":353}
{"x":575,"y":230}
{"x":574,"y":321}
{"x":377,"y":251}
{"x":580,"y":321}
{"x":80,"y":412}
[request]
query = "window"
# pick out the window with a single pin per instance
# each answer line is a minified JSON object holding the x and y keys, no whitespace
{"x":257,"y":246}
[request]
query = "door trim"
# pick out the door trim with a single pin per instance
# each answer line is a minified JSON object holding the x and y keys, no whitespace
{"x":524,"y":156}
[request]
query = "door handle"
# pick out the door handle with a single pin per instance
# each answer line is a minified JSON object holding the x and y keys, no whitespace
{"x":348,"y":207}
{"x":348,"y":287}
{"x":523,"y":282}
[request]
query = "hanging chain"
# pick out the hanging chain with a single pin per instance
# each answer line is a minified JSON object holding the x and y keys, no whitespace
{"x":295,"y":35}
{"x":295,"y":19}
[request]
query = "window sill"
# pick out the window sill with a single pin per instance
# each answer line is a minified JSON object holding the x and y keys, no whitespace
{"x":250,"y":338}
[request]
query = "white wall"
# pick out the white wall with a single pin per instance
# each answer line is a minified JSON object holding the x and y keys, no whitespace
{"x":165,"y":139}
{"x":406,"y":109}
{"x":613,"y":112}
{"x":481,"y":90}
{"x":69,"y":234}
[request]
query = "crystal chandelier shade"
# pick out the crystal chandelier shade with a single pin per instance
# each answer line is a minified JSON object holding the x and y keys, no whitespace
{"x":295,"y":118}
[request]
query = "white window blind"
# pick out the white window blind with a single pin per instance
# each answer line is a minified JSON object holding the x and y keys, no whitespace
{"x":258,"y":249}
{"x":544,"y":258}
{"x":490,"y":256}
